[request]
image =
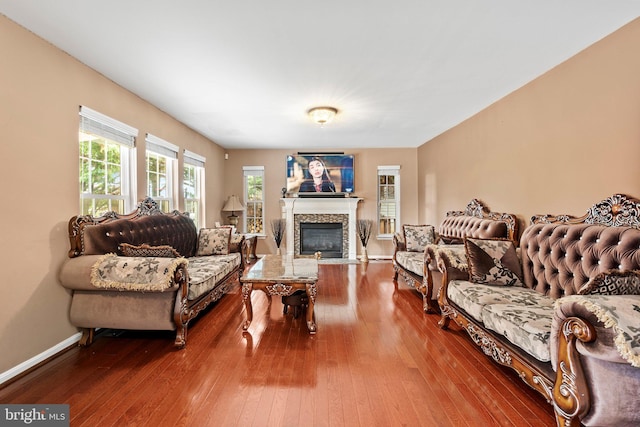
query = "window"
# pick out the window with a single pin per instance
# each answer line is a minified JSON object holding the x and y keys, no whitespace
{"x":107,"y":164}
{"x":193,"y":187}
{"x":254,"y":198}
{"x":161,"y":160}
{"x":388,"y":200}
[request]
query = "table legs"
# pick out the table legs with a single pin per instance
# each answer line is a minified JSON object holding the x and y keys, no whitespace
{"x":247,"y":288}
{"x":311,"y":318}
{"x":281,"y":290}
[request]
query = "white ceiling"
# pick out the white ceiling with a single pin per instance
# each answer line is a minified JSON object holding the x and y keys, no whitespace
{"x":244,"y":72}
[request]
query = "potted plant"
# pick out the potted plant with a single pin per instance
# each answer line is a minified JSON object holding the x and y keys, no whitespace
{"x":364,"y":232}
{"x":277,"y":228}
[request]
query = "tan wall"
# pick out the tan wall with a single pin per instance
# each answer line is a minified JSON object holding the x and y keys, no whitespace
{"x":40,"y":91}
{"x":557,"y":145}
{"x":366,"y":170}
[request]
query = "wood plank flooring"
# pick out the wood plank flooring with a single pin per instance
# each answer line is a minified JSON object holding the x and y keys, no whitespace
{"x":376,"y":360}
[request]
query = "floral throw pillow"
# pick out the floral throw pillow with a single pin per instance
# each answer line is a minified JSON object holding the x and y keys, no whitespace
{"x":145,"y":250}
{"x":213,"y":241}
{"x":613,"y":282}
{"x":417,"y":237}
{"x":493,"y":262}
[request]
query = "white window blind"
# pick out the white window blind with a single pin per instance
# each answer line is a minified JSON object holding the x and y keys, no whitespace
{"x":194,"y":159}
{"x":97,"y":123}
{"x":160,"y":146}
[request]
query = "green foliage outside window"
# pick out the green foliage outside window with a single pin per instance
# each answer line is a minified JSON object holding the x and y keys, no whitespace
{"x":100,"y":175}
{"x":254,"y":204}
{"x":191,"y":192}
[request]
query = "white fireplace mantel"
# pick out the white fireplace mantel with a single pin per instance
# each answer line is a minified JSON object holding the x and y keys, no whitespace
{"x":292,"y":206}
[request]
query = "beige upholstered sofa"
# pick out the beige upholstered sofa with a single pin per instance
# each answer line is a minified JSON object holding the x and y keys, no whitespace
{"x":564,"y":314}
{"x":147,"y":270}
{"x":414,"y":248}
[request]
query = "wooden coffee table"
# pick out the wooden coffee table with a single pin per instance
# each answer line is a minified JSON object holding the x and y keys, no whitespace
{"x":281,"y":275}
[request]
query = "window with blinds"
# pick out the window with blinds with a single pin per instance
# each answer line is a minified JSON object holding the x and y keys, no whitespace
{"x":388,"y":200}
{"x":254,"y":198}
{"x":161,"y":166}
{"x":193,"y":187}
{"x":107,"y":164}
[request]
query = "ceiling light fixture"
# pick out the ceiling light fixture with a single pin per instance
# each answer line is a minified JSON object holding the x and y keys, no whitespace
{"x":322,"y":115}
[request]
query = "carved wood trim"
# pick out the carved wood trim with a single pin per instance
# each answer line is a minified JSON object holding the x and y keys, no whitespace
{"x":419,"y":284}
{"x":184,"y":311}
{"x":146,"y":207}
{"x":570,"y":393}
{"x":493,"y":348}
{"x":618,"y":210}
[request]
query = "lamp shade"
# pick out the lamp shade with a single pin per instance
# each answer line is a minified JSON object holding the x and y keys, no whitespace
{"x":233,"y":204}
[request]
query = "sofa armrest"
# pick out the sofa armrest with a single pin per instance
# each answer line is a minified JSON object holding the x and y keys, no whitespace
{"x":76,"y":274}
{"x":614,"y":319}
{"x":452,"y":263}
{"x":398,"y":242}
{"x":596,"y":355}
{"x":237,"y":243}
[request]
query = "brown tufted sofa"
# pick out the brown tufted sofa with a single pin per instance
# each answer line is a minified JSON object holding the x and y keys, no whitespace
{"x":183,"y":296}
{"x":419,"y":269}
{"x":564,"y":332}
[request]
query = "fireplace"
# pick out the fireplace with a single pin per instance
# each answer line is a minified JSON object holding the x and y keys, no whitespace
{"x":342,"y":211}
{"x":321,"y":237}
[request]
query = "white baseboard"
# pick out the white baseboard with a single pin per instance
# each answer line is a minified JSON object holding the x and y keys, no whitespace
{"x":381,"y":257}
{"x":24,"y":366}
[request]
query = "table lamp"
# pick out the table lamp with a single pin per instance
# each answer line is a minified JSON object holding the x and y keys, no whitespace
{"x":233,"y":204}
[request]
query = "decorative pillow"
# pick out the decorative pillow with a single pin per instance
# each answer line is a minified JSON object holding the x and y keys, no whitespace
{"x":493,"y":262}
{"x":145,"y":250}
{"x":213,"y":241}
{"x":417,"y":237}
{"x":613,"y":282}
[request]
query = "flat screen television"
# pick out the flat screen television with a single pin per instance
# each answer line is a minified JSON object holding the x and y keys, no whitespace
{"x":320,"y":173}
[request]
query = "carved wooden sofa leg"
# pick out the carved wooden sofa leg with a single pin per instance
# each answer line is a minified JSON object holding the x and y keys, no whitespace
{"x":571,"y":400}
{"x":429,"y":304}
{"x":444,"y":322}
{"x":181,"y":337}
{"x":87,"y":337}
{"x":181,"y":316}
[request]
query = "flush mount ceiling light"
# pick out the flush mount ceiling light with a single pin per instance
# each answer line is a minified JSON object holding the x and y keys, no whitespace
{"x":322,"y":115}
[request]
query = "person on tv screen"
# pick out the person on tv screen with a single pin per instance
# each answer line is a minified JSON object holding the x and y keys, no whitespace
{"x":317,"y":178}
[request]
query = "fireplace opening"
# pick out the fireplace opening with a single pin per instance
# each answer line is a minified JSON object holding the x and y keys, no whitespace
{"x":322,"y":237}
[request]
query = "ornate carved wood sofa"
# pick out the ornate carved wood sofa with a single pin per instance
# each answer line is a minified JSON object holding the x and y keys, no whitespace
{"x":147,"y":270}
{"x":570,"y":327}
{"x":417,"y":264}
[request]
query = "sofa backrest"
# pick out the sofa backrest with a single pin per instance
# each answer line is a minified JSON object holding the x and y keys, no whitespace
{"x":147,"y":224}
{"x":562,"y":253}
{"x":477,"y":222}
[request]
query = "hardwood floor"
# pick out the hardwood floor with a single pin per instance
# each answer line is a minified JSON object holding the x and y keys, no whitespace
{"x":376,"y":360}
